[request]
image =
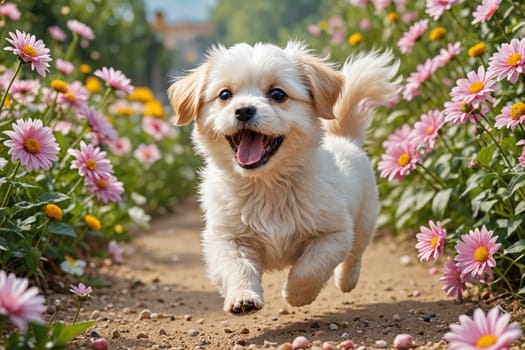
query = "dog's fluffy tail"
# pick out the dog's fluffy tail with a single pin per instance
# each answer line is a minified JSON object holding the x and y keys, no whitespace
{"x":369,"y":81}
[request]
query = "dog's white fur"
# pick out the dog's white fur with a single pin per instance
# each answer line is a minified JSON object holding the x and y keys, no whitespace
{"x":313,"y":205}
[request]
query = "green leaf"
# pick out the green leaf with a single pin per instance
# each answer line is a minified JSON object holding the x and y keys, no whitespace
{"x":41,"y":334}
{"x":516,"y":183}
{"x":486,"y":154}
{"x":53,"y":197}
{"x":520,"y":208}
{"x":63,"y":333}
{"x":26,"y":205}
{"x":61,"y":229}
{"x":32,"y":257}
{"x":516,"y":248}
{"x":440,"y":202}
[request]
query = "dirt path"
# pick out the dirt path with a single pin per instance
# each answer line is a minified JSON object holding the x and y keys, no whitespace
{"x":163,"y":273}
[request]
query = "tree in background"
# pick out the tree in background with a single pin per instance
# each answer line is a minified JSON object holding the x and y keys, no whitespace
{"x":270,"y":21}
{"x":123,"y":35}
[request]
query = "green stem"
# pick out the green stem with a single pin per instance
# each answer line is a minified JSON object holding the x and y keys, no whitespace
{"x":445,"y":143}
{"x":434,"y":177}
{"x":104,"y":100}
{"x":49,"y":109}
{"x":4,"y":97}
{"x":10,"y":186}
{"x":494,"y":140}
{"x":78,"y":311}
{"x":71,"y":48}
{"x":498,"y":23}
{"x":74,"y":186}
{"x":424,"y":177}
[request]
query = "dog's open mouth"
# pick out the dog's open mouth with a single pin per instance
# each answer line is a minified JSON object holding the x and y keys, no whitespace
{"x":253,"y":149}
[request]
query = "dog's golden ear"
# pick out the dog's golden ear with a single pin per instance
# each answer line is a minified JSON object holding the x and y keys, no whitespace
{"x":324,"y":82}
{"x":185,"y":95}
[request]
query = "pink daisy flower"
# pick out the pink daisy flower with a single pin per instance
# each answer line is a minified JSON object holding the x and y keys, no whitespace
{"x":407,"y":41}
{"x":30,"y":50}
{"x":399,"y":160}
{"x":421,"y":75}
{"x":9,"y":10}
{"x":19,"y":303}
{"x":81,"y":29}
{"x":115,"y":251}
{"x":155,"y":127}
{"x":64,"y":67}
{"x":426,"y":130}
{"x":115,"y":79}
{"x":106,"y":188}
{"x":477,"y":87}
{"x":120,"y":146}
{"x":446,"y":55}
{"x":431,"y":241}
{"x":33,"y":144}
{"x":511,"y":116}
{"x":76,"y":97}
{"x":399,"y":136}
{"x":461,"y":112}
{"x":508,"y":61}
{"x":57,"y":33}
{"x":491,"y":331}
{"x":454,"y":285}
{"x":485,"y":11}
{"x":476,"y":253}
{"x":90,"y":161}
{"x":81,"y":290}
{"x":25,"y":91}
{"x":522,"y":156}
{"x":147,"y":154}
{"x":436,"y":8}
{"x":100,"y":125}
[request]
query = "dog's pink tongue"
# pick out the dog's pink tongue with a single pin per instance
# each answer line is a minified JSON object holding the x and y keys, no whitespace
{"x":251,"y":148}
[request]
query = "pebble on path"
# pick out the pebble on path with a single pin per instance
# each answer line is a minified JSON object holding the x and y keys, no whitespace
{"x":300,"y":342}
{"x":381,"y":344}
{"x":403,"y":341}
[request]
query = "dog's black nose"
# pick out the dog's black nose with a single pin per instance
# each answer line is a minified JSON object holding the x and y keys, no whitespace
{"x":244,"y":114}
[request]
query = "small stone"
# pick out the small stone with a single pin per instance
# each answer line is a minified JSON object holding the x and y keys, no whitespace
{"x":115,"y":334}
{"x":404,"y":260}
{"x":142,"y":335}
{"x":203,"y":342}
{"x":362,"y":347}
{"x":227,"y":330}
{"x":347,"y":344}
{"x":200,"y":321}
{"x":285,"y":346}
{"x":284,"y":312}
{"x":128,"y":310}
{"x":333,"y":326}
{"x":345,"y":336}
{"x":428,"y":317}
{"x":145,"y":314}
{"x":416,"y":293}
{"x":51,"y":309}
{"x":188,"y":317}
{"x":154,"y":316}
{"x":403,"y":341}
{"x":396,"y":317}
{"x":268,"y":344}
{"x":194,"y":332}
{"x":381,"y":344}
{"x":244,"y":330}
{"x":100,"y":344}
{"x":162,"y":331}
{"x":344,"y":324}
{"x":95,"y":314}
{"x":315,"y":324}
{"x":300,"y":342}
{"x":327,"y":346}
{"x":241,"y":342}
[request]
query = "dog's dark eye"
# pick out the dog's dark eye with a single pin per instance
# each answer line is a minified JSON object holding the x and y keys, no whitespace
{"x":225,"y":95}
{"x":278,"y":95}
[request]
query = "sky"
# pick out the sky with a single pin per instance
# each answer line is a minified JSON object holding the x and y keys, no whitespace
{"x":176,"y":11}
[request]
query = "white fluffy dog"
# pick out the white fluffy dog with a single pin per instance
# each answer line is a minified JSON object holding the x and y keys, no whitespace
{"x":286,"y":182}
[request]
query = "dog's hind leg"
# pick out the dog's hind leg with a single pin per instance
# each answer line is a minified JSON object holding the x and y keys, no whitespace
{"x":315,"y":266}
{"x":347,"y":272}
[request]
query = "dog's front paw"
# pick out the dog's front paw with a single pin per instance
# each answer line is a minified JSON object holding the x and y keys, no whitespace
{"x":243,"y":302}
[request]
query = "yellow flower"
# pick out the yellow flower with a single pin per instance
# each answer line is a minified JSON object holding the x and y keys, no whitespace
{"x":93,"y":85}
{"x":323,"y":25}
{"x":119,"y":229}
{"x":53,"y":212}
{"x":59,"y":86}
{"x":392,"y":17}
{"x":125,"y":110}
{"x":141,"y":94}
{"x":85,"y":68}
{"x":355,"y":39}
{"x":92,"y":222}
{"x":8,"y":102}
{"x":477,"y":50}
{"x":437,"y":33}
{"x":154,"y":109}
